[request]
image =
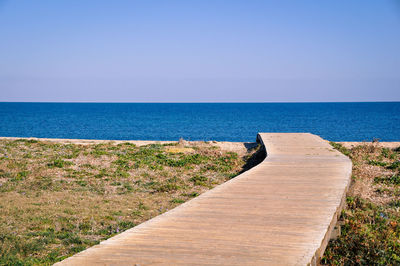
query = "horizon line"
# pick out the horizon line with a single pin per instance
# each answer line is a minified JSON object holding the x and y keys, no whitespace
{"x":202,"y":102}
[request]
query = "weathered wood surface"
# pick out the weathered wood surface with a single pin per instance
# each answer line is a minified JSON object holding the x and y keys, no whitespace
{"x":280,"y":212}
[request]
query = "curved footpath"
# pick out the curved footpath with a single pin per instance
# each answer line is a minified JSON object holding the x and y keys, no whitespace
{"x":282,"y":211}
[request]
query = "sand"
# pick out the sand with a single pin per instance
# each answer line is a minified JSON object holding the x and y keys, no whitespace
{"x":241,"y":148}
{"x":390,"y":145}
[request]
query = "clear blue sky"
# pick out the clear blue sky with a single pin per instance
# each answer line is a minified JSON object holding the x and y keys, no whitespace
{"x":196,"y":51}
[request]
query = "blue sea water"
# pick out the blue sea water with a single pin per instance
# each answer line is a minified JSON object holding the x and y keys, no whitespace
{"x":200,"y":121}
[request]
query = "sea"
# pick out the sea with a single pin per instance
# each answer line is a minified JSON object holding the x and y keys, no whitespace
{"x":358,"y":121}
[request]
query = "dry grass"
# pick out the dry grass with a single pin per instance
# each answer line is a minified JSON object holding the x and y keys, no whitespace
{"x":58,"y":199}
{"x":371,"y":230}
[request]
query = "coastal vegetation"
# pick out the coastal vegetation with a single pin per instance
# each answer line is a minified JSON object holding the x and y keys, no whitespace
{"x":59,"y":199}
{"x":371,"y":221}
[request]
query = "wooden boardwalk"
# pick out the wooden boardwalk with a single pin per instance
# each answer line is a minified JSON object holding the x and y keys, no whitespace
{"x":280,"y":212}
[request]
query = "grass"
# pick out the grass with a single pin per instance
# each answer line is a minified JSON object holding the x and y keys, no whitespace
{"x":371,"y":220}
{"x":59,"y":199}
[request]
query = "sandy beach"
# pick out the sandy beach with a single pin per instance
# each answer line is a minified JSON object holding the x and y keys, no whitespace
{"x":390,"y":145}
{"x":241,"y":148}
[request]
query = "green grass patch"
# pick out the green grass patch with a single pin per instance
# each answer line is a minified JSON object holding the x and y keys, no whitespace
{"x":392,"y":180}
{"x":58,"y":199}
{"x":370,"y":230}
{"x":340,"y":148}
{"x":59,"y":163}
{"x":377,"y":163}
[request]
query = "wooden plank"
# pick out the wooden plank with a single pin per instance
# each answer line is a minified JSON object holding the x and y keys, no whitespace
{"x":281,"y":212}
